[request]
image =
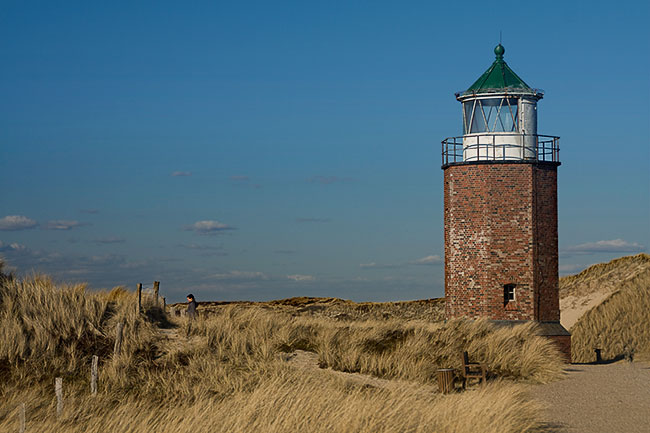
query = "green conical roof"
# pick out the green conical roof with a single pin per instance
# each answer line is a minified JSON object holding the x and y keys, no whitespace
{"x":499,"y":78}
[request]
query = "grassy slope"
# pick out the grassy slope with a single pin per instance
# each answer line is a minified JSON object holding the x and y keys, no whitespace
{"x":604,"y":275}
{"x":228,"y":376}
{"x":432,"y":310}
{"x":622,"y":318}
{"x":586,"y":290}
{"x":620,"y":324}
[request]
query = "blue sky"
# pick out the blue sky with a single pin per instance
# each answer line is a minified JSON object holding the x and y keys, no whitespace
{"x":260,"y":150}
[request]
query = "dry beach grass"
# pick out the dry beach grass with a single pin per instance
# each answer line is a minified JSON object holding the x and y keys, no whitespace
{"x":619,"y":326}
{"x":581,"y":292}
{"x":228,"y":373}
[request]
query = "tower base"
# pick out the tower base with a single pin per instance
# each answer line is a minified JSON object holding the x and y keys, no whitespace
{"x":554,"y":331}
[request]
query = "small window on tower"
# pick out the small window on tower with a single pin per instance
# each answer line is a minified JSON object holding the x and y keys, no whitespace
{"x":508,"y":293}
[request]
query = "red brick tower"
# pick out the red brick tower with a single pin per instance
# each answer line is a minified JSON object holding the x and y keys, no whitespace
{"x":501,"y":238}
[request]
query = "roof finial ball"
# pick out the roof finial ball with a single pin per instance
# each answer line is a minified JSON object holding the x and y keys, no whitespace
{"x":499,"y":50}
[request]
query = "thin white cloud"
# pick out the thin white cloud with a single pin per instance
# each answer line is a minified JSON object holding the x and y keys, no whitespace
{"x":17,"y":222}
{"x":62,"y":225}
{"x":428,"y":260}
{"x":47,"y":257}
{"x":606,"y":246}
{"x":570,"y":269}
{"x":239,"y":275}
{"x":12,"y":247}
{"x":181,"y":173}
{"x":110,"y":240}
{"x":134,"y":265}
{"x":373,"y":265}
{"x":208,"y":227}
{"x":299,"y":277}
{"x":106,"y":259}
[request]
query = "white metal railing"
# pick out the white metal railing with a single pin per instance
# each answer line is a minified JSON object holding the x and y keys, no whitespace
{"x":500,"y":147}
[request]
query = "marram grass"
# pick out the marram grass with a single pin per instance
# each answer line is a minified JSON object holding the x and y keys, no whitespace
{"x":619,"y":325}
{"x":226,"y":374}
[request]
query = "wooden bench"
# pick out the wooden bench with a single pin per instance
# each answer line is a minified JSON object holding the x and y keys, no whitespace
{"x":472,"y":370}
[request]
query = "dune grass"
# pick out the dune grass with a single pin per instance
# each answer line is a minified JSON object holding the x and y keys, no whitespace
{"x":226,"y":373}
{"x":604,"y":276}
{"x":619,"y":325}
{"x":431,"y":310}
{"x":292,"y":400}
{"x":48,"y":329}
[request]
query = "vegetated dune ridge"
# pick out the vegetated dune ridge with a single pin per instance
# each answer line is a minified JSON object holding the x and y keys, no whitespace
{"x":431,"y":310}
{"x":581,"y":292}
{"x":620,"y":325}
{"x":227,"y":372}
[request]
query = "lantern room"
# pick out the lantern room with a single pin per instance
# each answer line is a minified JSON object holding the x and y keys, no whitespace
{"x":499,"y":120}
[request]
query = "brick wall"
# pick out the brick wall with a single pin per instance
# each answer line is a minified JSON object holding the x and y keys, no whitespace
{"x":546,"y":247}
{"x":501,"y":228}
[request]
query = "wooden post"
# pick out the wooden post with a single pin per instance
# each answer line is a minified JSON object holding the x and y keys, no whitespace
{"x":164,"y":303}
{"x":21,"y":418}
{"x":118,"y":340}
{"x":156,"y":288}
{"x":139,"y":297}
{"x":93,"y":375}
{"x":446,"y":380}
{"x":58,"y":389}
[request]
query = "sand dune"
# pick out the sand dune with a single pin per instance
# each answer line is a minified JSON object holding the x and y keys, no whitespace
{"x":581,"y":292}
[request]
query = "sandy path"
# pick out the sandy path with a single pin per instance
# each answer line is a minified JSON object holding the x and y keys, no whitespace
{"x":309,"y":361}
{"x":612,"y":398}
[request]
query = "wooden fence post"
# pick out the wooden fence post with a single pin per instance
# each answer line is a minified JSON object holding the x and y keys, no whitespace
{"x":58,"y":389}
{"x":93,"y":375}
{"x":118,"y":340}
{"x":21,"y":418}
{"x":139,"y":297}
{"x":156,"y":288}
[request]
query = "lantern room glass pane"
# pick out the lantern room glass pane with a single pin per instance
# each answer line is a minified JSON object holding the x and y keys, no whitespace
{"x":479,"y":123}
{"x":467,"y":115}
{"x":490,"y":115}
{"x":507,"y":116}
{"x":491,"y":107}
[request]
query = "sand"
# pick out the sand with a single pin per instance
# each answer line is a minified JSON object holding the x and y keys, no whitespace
{"x":573,"y":307}
{"x":611,"y":398}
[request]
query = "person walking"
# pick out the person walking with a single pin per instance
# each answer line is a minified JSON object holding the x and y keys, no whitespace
{"x":191,"y":307}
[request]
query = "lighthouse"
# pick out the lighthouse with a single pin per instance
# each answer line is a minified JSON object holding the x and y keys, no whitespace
{"x":500,"y":207}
